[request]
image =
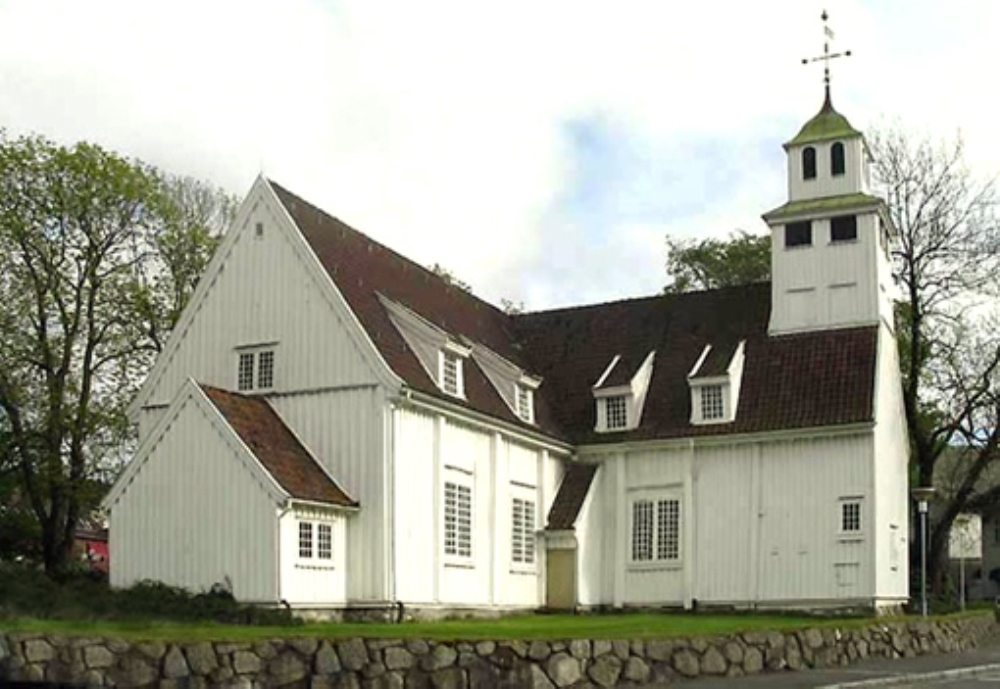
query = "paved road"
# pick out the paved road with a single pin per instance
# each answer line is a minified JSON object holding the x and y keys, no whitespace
{"x":925,"y":671}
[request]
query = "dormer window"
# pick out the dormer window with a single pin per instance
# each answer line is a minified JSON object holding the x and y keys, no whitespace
{"x":837,"y":165}
{"x":450,"y":376}
{"x":809,"y":163}
{"x":712,"y":406}
{"x":524,"y":399}
{"x":616,"y":413}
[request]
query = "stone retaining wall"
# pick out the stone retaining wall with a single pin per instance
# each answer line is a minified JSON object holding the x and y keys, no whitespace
{"x":396,"y":664}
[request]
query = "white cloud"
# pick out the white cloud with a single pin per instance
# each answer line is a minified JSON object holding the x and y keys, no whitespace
{"x":438,"y":127}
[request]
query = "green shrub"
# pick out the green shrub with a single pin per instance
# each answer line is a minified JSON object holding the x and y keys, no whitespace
{"x":27,"y":592}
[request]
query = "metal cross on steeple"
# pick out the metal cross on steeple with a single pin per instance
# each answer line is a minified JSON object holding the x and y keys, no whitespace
{"x":827,"y":55}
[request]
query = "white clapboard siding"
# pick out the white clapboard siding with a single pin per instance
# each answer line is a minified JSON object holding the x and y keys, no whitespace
{"x":264,"y":293}
{"x":344,"y":430}
{"x":891,"y":475}
{"x":416,"y":492}
{"x":195,"y":515}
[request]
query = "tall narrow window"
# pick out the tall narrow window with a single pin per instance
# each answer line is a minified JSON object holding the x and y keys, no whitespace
{"x":525,"y":403}
{"x":324,"y":541}
{"x":844,"y":228}
{"x":451,"y":373}
{"x":837,"y":159}
{"x":616,"y":413}
{"x":798,"y":234}
{"x":457,"y":520}
{"x":850,"y":516}
{"x":642,"y":530}
{"x":711,"y":403}
{"x":668,"y":529}
{"x":522,"y":542}
{"x":245,"y":375}
{"x":265,"y":370}
{"x":809,"y":163}
{"x":305,"y":539}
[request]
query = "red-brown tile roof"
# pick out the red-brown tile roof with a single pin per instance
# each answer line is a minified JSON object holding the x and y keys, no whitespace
{"x":796,"y":381}
{"x":570,"y":496}
{"x":276,"y":447}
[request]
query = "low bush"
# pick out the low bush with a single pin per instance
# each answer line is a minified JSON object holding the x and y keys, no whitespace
{"x":27,"y":592}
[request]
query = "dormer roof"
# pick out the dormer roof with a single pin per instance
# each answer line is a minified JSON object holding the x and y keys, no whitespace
{"x":828,"y":124}
{"x":814,"y":379}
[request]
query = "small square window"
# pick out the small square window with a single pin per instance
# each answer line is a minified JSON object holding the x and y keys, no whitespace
{"x":798,"y":234}
{"x":305,"y":539}
{"x":843,"y":228}
{"x":616,"y":413}
{"x":324,"y":541}
{"x":850,"y":516}
{"x":711,"y":402}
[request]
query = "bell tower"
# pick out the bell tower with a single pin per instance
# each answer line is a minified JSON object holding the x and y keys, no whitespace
{"x":830,"y":265}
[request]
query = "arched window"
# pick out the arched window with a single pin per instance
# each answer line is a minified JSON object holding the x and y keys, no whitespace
{"x":809,"y":163}
{"x":837,"y":159}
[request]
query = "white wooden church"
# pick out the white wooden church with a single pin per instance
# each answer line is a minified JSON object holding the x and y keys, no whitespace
{"x":332,"y":426}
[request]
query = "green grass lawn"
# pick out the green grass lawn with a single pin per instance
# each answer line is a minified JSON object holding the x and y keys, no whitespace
{"x":603,"y":626}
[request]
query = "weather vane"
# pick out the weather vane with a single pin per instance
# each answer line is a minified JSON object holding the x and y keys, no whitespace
{"x":827,"y":55}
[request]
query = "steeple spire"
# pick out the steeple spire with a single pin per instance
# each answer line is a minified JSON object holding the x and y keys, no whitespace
{"x":826,"y":57}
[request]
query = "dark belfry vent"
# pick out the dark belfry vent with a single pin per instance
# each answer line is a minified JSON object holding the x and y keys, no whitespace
{"x":844,"y":228}
{"x":798,"y":234}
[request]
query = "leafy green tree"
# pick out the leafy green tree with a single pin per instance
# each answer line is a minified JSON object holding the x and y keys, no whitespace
{"x":711,"y":263}
{"x":98,"y":259}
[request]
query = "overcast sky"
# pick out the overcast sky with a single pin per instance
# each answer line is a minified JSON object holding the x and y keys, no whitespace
{"x":540,"y":150}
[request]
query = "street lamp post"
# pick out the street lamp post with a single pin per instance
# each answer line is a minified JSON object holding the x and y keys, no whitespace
{"x":923,"y":495}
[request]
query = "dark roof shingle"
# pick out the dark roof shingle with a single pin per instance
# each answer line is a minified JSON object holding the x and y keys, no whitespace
{"x":570,"y":496}
{"x":276,"y":447}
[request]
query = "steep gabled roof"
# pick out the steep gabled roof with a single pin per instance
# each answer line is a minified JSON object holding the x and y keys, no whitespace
{"x":276,"y":447}
{"x":816,"y":379}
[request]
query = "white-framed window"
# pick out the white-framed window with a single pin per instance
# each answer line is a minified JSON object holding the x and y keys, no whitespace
{"x":522,"y":536}
{"x":712,"y":408}
{"x":616,"y":413}
{"x":305,"y":540}
{"x":656,"y":529}
{"x":450,"y":373}
{"x":850,"y":516}
{"x":525,"y":400}
{"x":324,"y":541}
{"x":458,"y":519}
{"x":255,"y":370}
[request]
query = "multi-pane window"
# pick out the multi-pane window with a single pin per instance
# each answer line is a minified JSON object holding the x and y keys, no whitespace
{"x":305,"y":539}
{"x":616,"y":412}
{"x":324,"y":541}
{"x":450,"y":373}
{"x":843,"y":228}
{"x":837,"y":159}
{"x":457,"y":519}
{"x":523,"y":531}
{"x":809,"y":163}
{"x":711,"y":402}
{"x":524,"y":403}
{"x":798,"y":234}
{"x":850,"y":516}
{"x":255,"y":370}
{"x":656,"y":530}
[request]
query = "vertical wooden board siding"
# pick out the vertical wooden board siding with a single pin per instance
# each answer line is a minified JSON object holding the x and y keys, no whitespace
{"x":215,"y":523}
{"x":415,"y":524}
{"x":652,"y":468}
{"x":801,"y":545}
{"x":148,"y":418}
{"x":311,"y":582}
{"x":265,"y":294}
{"x":344,"y":431}
{"x":469,"y":450}
{"x":891,"y":512}
{"x":723,"y":520}
{"x":593,"y":587}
